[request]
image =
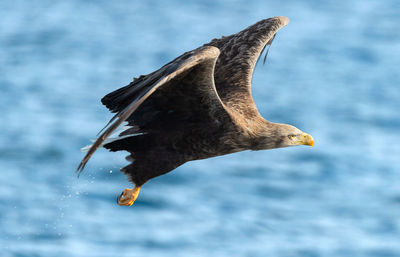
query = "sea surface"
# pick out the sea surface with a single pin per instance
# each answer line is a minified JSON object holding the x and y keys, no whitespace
{"x":333,"y":72}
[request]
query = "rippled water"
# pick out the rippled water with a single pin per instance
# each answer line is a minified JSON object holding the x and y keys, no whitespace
{"x":333,"y":72}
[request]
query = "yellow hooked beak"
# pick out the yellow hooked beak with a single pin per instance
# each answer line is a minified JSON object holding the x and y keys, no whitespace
{"x":304,"y":139}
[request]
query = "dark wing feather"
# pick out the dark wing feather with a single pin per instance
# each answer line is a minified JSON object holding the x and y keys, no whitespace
{"x":132,"y":98}
{"x":235,"y":65}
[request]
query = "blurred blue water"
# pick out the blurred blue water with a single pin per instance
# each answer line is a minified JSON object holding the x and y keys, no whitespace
{"x":333,"y":72}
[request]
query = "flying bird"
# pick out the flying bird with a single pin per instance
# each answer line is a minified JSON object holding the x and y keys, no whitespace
{"x":195,"y":107}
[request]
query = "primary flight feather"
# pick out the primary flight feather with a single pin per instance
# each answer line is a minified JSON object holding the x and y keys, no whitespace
{"x":195,"y":107}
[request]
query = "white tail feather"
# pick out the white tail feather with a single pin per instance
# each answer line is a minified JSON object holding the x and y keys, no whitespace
{"x":109,"y":140}
{"x":85,"y":148}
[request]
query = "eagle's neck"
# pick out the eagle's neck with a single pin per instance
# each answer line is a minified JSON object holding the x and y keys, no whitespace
{"x":253,"y":134}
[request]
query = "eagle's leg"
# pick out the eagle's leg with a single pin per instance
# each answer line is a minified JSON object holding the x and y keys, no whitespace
{"x":128,"y":196}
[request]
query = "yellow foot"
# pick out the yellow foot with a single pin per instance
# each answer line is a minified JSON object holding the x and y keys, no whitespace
{"x":128,"y":196}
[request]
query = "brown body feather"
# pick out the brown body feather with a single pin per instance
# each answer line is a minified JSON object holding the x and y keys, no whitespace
{"x":195,"y":107}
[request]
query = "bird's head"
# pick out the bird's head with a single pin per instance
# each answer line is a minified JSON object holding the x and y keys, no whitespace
{"x":278,"y":135}
{"x":291,"y":136}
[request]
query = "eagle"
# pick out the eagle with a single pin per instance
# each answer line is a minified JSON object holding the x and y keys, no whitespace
{"x":195,"y":107}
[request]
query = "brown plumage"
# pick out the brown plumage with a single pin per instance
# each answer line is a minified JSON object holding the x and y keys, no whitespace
{"x":195,"y":107}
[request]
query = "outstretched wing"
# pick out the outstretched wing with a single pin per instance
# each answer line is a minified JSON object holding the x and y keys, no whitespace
{"x":235,"y":65}
{"x":195,"y":68}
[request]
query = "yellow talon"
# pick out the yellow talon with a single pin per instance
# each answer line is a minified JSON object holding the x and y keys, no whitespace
{"x":128,"y":196}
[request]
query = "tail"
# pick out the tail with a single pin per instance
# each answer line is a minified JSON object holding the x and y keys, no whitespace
{"x":139,"y":142}
{"x":114,"y":144}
